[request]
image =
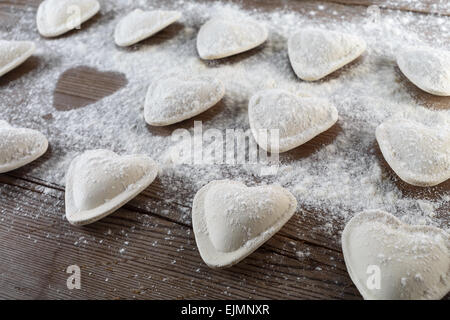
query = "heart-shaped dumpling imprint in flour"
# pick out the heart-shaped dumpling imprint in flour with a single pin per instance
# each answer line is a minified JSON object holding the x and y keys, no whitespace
{"x":297,"y":119}
{"x":172,"y":99}
{"x":139,"y":25}
{"x":219,"y":38}
{"x":13,"y":54}
{"x":99,"y":182}
{"x":232,"y":220}
{"x":427,"y":68}
{"x":315,"y":53}
{"x":19,"y":146}
{"x":417,"y":149}
{"x":390,"y":260}
{"x":56,"y":17}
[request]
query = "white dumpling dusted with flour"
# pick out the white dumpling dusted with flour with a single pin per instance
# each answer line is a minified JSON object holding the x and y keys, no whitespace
{"x":98,"y":182}
{"x":13,"y":54}
{"x":19,"y":146}
{"x":139,"y":25}
{"x":231,"y":220}
{"x":56,"y":17}
{"x":427,"y":68}
{"x":298,"y":119}
{"x":175,"y":98}
{"x":315,"y":53}
{"x":390,"y":260}
{"x":417,"y":148}
{"x":219,"y":37}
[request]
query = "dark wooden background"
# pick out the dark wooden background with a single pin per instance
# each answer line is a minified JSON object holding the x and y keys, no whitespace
{"x":161,"y":260}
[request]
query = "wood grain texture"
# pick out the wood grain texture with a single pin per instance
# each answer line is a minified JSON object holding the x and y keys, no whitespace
{"x":161,"y":259}
{"x":423,"y":6}
{"x":80,"y":86}
{"x":147,"y":250}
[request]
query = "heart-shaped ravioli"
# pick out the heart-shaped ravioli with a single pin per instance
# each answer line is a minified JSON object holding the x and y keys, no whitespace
{"x":219,"y":38}
{"x":232,"y":220}
{"x":427,"y":68}
{"x":297,"y":119}
{"x":139,"y":25}
{"x":99,"y":182}
{"x":315,"y":53}
{"x":56,"y":17}
{"x":389,"y":260}
{"x":417,"y":148}
{"x":172,"y":99}
{"x":19,"y":146}
{"x":13,"y":54}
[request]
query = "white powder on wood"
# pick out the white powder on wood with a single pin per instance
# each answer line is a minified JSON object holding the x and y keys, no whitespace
{"x":338,"y":180}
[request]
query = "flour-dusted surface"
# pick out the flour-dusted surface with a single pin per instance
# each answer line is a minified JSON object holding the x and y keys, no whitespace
{"x":344,"y":176}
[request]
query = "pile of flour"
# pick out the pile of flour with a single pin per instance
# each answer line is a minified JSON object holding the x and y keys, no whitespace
{"x":339,"y":180}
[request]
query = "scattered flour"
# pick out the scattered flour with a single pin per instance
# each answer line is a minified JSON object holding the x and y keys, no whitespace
{"x":338,"y":180}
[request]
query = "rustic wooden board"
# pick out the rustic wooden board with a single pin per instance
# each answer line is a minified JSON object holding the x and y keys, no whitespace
{"x":147,"y":250}
{"x":423,"y":6}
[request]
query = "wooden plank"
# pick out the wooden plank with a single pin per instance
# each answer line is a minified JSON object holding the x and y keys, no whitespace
{"x":136,"y":254}
{"x":426,"y":7}
{"x":146,"y":250}
{"x":423,"y":6}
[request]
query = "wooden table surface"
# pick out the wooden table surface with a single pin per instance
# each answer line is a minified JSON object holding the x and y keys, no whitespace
{"x":33,"y":260}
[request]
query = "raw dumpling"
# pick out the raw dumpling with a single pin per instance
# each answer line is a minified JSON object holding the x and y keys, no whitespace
{"x":389,"y":260}
{"x":172,"y":99}
{"x":417,"y":148}
{"x":55,"y":17}
{"x":219,"y":38}
{"x":427,"y":68}
{"x":315,"y":53}
{"x":139,"y":25}
{"x":19,"y":146}
{"x":232,"y":220}
{"x":297,"y":119}
{"x":99,"y":182}
{"x":13,"y":54}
